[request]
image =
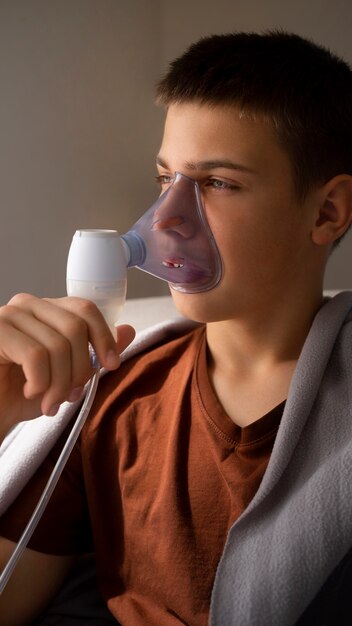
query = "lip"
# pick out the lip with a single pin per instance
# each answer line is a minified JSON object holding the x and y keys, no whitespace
{"x":176,"y":263}
{"x":180,"y":272}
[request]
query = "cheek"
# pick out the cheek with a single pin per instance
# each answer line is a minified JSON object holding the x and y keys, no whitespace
{"x":235,"y":235}
{"x":253,"y":252}
{"x":253,"y":234}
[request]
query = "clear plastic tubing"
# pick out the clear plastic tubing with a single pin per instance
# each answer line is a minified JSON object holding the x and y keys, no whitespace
{"x":52,"y":482}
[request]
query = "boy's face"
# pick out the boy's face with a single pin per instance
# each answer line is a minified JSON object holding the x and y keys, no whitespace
{"x":262,"y":231}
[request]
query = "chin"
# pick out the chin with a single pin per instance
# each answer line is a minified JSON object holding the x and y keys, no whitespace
{"x":200,"y":307}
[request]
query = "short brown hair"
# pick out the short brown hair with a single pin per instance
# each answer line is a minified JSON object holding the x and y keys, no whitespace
{"x":303,"y":88}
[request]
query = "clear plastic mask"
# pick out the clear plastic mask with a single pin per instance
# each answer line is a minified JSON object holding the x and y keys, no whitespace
{"x":173,"y":240}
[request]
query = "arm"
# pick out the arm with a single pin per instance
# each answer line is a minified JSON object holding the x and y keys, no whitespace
{"x":35,"y":581}
{"x":44,"y":360}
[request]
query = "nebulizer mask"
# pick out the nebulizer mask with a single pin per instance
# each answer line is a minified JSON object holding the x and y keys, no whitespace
{"x":171,"y":241}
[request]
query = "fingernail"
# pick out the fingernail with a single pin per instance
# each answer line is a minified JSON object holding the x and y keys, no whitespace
{"x":112,"y":359}
{"x":53,"y":410}
{"x":75,"y":394}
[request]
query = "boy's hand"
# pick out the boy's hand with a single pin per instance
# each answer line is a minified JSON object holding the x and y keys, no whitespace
{"x":44,"y":354}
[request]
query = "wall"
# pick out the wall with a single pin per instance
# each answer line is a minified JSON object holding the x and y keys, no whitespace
{"x":324,"y":21}
{"x":78,"y":127}
{"x":78,"y":131}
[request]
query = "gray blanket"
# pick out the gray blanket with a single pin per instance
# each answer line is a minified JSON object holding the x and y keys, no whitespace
{"x":299,"y":524}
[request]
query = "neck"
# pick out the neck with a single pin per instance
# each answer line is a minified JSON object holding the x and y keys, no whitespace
{"x":274,"y":334}
{"x":251,"y":360}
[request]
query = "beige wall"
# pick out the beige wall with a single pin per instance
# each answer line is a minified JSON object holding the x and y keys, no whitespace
{"x":78,"y":128}
{"x":78,"y":131}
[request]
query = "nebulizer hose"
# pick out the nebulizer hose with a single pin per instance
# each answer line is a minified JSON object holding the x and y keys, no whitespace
{"x":52,"y":482}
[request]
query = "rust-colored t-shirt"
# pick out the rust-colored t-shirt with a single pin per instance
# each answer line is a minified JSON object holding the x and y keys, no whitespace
{"x":159,"y":476}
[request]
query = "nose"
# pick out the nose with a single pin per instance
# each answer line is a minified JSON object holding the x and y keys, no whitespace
{"x":176,"y":224}
{"x":175,"y":213}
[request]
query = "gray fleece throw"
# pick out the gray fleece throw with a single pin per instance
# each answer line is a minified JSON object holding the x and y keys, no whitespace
{"x":298,"y":526}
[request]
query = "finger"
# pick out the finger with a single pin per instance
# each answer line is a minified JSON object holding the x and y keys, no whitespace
{"x":67,"y":325}
{"x":57,"y":362}
{"x":65,"y":337}
{"x":44,"y":355}
{"x":125,"y":335}
{"x":24,"y":351}
{"x":99,"y":334}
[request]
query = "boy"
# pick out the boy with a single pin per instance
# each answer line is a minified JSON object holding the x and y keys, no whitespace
{"x":212,"y":477}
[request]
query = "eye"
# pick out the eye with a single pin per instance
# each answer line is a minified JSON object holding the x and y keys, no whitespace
{"x":221,"y":185}
{"x":164,"y":180}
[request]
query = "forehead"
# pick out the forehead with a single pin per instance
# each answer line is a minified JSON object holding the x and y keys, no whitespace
{"x":196,"y":132}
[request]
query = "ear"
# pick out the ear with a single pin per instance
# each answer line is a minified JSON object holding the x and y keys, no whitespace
{"x":335,"y":210}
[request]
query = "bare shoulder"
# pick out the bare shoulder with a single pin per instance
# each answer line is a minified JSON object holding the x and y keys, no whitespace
{"x":35,"y":581}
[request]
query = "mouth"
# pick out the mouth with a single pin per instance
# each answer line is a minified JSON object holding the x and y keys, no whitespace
{"x":173,"y":263}
{"x":180,"y":271}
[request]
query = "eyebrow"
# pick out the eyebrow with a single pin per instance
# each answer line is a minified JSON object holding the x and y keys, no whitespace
{"x":209,"y":165}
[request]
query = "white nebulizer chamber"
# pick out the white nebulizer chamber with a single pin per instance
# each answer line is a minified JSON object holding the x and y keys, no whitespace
{"x":96,"y":270}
